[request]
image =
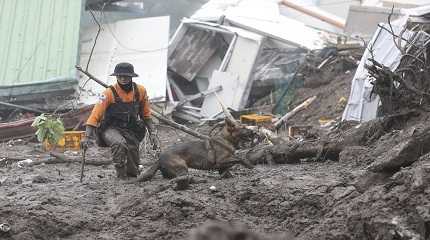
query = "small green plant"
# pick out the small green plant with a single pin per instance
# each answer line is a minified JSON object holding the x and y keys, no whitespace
{"x":49,"y":128}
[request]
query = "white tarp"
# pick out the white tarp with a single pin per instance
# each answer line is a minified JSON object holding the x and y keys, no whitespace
{"x":142,"y":42}
{"x":361,"y":105}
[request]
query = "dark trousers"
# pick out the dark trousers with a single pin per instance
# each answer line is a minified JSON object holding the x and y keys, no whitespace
{"x":125,"y":150}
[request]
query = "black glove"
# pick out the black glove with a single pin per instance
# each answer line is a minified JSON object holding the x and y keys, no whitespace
{"x":89,"y":139}
{"x":148,"y":124}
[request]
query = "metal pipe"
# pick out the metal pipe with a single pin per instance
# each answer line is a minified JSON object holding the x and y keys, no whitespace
{"x":315,"y":14}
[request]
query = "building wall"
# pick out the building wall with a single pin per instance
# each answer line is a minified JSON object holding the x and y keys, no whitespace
{"x":38,"y":41}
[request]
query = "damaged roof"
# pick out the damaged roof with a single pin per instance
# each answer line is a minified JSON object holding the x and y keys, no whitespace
{"x":262,"y":17}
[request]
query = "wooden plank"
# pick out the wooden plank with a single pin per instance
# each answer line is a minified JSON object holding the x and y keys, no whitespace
{"x":199,"y":95}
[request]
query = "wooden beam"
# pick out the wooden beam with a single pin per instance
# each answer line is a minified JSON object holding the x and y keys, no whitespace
{"x":21,"y":107}
{"x":297,"y":109}
{"x":200,"y":95}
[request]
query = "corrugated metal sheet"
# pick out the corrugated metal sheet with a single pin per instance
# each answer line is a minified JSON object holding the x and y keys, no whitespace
{"x":38,"y":40}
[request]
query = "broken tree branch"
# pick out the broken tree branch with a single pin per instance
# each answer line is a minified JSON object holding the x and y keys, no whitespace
{"x":395,"y":35}
{"x":226,"y":112}
{"x":399,"y":43}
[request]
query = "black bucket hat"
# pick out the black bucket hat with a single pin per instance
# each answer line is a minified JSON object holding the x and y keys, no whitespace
{"x":124,"y":69}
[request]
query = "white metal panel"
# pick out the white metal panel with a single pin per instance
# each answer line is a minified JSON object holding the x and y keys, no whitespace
{"x":360,"y":106}
{"x":230,"y":84}
{"x":236,"y":81}
{"x":263,"y":17}
{"x":202,"y":79}
{"x":100,"y":62}
{"x":289,"y":30}
{"x":142,"y":42}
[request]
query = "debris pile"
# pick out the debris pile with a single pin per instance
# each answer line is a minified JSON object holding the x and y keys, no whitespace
{"x":325,"y":74}
{"x":290,"y":170}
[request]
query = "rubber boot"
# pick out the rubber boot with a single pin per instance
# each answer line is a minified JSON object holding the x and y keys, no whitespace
{"x":132,"y":167}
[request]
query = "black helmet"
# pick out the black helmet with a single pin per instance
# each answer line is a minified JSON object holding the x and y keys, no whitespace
{"x":124,"y":69}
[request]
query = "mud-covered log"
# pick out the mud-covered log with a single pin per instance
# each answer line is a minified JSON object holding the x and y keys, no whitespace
{"x":413,"y":144}
{"x":294,"y":151}
{"x":59,"y":158}
{"x":328,"y":148}
{"x":59,"y":161}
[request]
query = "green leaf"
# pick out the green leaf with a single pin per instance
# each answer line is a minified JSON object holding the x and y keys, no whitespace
{"x":49,"y":128}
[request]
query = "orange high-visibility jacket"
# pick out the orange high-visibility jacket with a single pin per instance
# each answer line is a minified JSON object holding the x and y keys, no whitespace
{"x":108,"y":98}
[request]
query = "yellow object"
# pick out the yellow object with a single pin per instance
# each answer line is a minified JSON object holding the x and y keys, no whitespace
{"x":255,"y":119}
{"x":341,"y":104}
{"x":342,"y":100}
{"x":71,"y":140}
{"x":324,"y":120}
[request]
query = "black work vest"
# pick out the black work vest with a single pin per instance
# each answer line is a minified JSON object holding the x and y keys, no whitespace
{"x":121,"y":114}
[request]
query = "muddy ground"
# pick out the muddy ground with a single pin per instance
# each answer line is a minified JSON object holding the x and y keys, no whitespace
{"x":310,"y":200}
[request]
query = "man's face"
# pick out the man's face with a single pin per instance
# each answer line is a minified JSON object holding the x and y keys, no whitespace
{"x":123,"y":80}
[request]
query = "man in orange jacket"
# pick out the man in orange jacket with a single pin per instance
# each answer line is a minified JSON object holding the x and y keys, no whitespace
{"x":119,"y":120}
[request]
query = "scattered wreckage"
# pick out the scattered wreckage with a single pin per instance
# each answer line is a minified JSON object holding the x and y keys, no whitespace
{"x":405,"y":88}
{"x":389,"y":147}
{"x":240,"y":64}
